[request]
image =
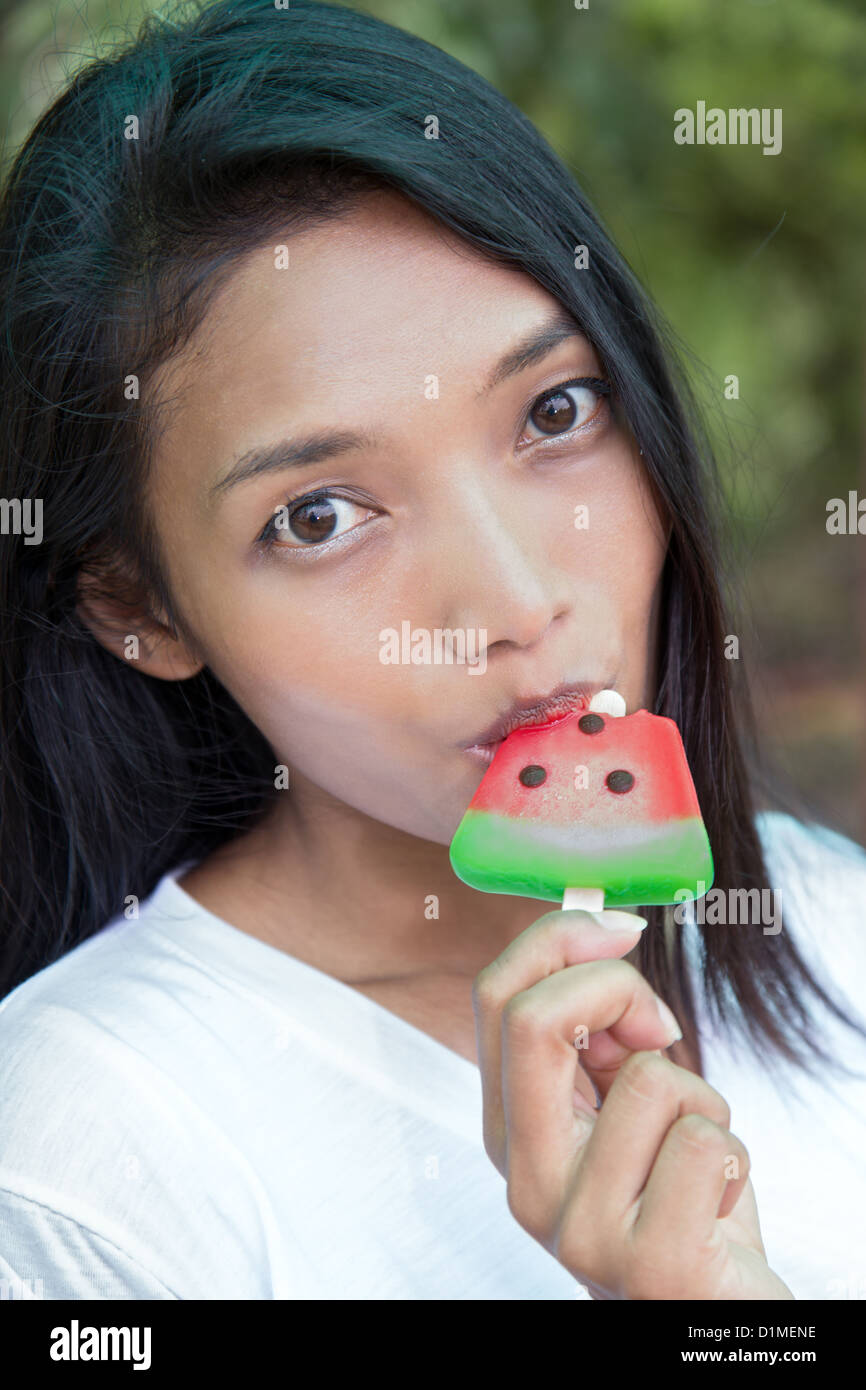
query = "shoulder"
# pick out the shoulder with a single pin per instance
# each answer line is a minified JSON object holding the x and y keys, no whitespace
{"x":819,"y":877}
{"x":103,"y":1134}
{"x":811,"y":861}
{"x":89,"y":1015}
{"x":786,"y":837}
{"x":47,"y":1255}
{"x":120,"y":990}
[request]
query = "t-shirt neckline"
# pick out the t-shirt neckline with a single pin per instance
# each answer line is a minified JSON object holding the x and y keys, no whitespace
{"x":263,"y":967}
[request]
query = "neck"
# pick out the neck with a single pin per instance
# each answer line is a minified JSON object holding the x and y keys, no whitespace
{"x":354,"y":897}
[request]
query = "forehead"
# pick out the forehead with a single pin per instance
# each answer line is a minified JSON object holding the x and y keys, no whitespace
{"x":376,"y":295}
{"x":345,"y":332}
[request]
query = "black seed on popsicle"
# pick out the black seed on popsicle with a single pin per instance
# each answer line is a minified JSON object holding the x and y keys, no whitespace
{"x":590,"y":724}
{"x":620,"y":781}
{"x":532,"y":776}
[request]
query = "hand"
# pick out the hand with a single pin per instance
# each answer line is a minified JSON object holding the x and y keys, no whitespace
{"x":647,"y":1197}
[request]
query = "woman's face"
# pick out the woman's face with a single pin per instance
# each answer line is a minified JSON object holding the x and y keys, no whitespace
{"x":458,"y":498}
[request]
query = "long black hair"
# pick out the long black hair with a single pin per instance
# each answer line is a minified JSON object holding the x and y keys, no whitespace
{"x":252,"y":120}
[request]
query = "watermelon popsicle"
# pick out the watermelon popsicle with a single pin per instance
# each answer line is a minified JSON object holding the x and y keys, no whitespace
{"x":595,"y":809}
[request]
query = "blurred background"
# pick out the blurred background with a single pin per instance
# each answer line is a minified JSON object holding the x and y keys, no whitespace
{"x":757,"y":261}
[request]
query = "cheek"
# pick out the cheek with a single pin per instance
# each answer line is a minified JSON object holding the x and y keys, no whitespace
{"x":347,"y":724}
{"x":614,"y":551}
{"x":277,"y":656}
{"x":302,"y":656}
{"x":630,"y":534}
{"x":642,"y":562}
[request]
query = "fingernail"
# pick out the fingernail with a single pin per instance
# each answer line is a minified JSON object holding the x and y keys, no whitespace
{"x":619,"y":921}
{"x":667,"y":1018}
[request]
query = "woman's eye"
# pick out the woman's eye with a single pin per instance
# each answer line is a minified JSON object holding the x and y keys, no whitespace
{"x":311,"y":521}
{"x":568,"y":406}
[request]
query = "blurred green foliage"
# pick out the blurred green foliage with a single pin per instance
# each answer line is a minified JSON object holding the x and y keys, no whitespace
{"x":756,"y":260}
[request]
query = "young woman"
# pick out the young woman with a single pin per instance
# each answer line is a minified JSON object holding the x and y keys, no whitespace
{"x":287,"y":363}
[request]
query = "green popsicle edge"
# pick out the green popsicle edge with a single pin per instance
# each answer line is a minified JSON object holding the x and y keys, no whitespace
{"x":666,"y":863}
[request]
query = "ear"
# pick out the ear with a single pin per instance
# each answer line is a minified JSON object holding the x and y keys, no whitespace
{"x":118,"y":614}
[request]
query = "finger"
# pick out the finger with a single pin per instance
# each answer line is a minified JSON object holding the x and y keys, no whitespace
{"x":647,"y":1097}
{"x":607,"y":1051}
{"x":601,"y":1057}
{"x":539,"y":1061}
{"x":556,"y":941}
{"x":689,"y":1183}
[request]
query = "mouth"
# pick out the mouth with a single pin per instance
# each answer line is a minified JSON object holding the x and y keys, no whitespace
{"x":534,"y":710}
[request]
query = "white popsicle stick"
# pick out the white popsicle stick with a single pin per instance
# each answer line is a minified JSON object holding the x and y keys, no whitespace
{"x":608,"y":702}
{"x":587,"y":899}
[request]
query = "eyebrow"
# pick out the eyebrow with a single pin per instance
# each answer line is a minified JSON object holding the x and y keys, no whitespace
{"x":314,"y":448}
{"x":537,"y":344}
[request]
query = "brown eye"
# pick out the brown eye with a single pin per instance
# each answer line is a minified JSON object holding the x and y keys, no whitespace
{"x":313,"y":521}
{"x":566,"y":406}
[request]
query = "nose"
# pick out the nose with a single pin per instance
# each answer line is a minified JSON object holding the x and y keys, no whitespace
{"x":504,"y":577}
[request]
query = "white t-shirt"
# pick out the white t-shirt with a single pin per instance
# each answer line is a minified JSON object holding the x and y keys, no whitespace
{"x":188,"y":1112}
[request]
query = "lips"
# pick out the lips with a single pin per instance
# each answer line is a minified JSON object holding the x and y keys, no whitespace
{"x":534,"y":710}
